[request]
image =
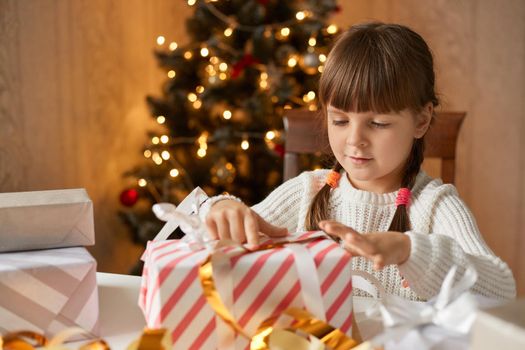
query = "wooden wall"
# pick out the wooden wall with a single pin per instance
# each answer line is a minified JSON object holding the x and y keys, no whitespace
{"x":73,"y":80}
{"x":74,"y":74}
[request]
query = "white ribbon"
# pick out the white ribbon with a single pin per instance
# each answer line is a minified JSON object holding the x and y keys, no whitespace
{"x":453,"y":309}
{"x":182,"y":215}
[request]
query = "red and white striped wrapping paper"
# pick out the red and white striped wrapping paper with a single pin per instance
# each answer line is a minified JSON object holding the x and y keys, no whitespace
{"x":46,"y":291}
{"x":263,"y":284}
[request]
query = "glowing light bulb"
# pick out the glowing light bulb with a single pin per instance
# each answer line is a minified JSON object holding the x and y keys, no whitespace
{"x":174,"y":172}
{"x":155,"y":140}
{"x":309,"y":96}
{"x":165,"y":155}
{"x":197,"y":104}
{"x":147,"y":153}
{"x":228,"y":31}
{"x":161,"y":119}
{"x":312,"y":41}
{"x":205,"y":52}
{"x":223,"y":67}
{"x":214,"y":60}
{"x":332,"y":29}
{"x":245,"y":144}
{"x":173,"y":46}
{"x":160,"y":40}
{"x":192,"y":97}
{"x":223,"y":76}
{"x":300,"y":15}
{"x":164,"y":139}
{"x":199,"y":89}
{"x":188,"y":55}
{"x":201,"y":152}
{"x":142,"y":182}
{"x":285,"y":31}
{"x":270,"y":135}
{"x":292,"y":62}
{"x":227,"y":114}
{"x":322,"y":58}
{"x":157,"y":159}
{"x":192,"y":2}
{"x":172,"y":74}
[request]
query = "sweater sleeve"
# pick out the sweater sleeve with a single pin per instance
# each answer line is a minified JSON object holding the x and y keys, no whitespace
{"x":454,"y":240}
{"x":284,"y":205}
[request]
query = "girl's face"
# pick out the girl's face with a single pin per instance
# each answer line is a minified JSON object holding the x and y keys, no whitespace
{"x":373,"y":148}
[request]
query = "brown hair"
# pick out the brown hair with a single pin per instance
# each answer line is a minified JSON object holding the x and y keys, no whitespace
{"x":382,"y":68}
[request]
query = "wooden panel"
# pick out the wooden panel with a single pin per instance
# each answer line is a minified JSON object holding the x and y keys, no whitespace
{"x":73,"y":79}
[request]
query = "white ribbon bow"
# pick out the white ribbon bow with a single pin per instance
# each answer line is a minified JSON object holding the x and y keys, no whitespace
{"x":453,"y":309}
{"x":185,"y":215}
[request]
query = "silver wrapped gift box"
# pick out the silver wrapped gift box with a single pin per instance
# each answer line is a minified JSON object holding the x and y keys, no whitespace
{"x":46,"y":291}
{"x":45,"y":219}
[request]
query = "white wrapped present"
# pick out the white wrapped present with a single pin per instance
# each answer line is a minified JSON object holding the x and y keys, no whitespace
{"x":45,"y":219}
{"x":442,"y":323}
{"x":46,"y":291}
{"x":501,"y":327}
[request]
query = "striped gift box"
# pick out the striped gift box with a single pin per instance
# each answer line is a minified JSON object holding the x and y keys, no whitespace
{"x":254,"y":287}
{"x":46,"y":291}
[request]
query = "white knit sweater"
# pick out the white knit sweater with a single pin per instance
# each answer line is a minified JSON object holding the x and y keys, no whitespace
{"x":444,"y":232}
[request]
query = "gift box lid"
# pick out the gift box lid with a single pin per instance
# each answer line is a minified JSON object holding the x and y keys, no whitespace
{"x":46,"y":219}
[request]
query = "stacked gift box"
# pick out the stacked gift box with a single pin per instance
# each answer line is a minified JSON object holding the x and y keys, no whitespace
{"x":47,"y":277}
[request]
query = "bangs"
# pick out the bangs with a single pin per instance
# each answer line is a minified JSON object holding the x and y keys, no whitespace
{"x":366,"y":72}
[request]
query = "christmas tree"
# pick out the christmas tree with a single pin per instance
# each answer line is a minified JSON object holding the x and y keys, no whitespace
{"x":246,"y":62}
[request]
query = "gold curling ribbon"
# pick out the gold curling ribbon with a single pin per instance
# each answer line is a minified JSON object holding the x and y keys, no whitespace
{"x":303,"y":320}
{"x":28,"y":340}
{"x":152,"y":339}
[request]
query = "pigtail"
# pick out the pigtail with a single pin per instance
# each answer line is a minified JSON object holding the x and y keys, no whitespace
{"x":318,"y":209}
{"x":400,"y":221}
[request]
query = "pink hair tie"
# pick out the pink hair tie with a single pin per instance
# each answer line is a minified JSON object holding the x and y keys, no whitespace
{"x":403,"y":197}
{"x":332,"y":179}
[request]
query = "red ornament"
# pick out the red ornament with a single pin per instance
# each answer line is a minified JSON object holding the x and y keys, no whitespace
{"x":129,"y":197}
{"x":239,"y":66}
{"x":279,"y":149}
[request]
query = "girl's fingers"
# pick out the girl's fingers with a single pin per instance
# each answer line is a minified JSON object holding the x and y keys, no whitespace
{"x":223,"y":228}
{"x":336,"y":228}
{"x":212,"y":228}
{"x":251,"y":228}
{"x":361,"y":242}
{"x":354,"y":249}
{"x":237,"y":231}
{"x":269,"y":229}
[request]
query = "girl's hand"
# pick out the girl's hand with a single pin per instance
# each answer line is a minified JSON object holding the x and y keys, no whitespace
{"x":382,"y":248}
{"x":233,"y":220}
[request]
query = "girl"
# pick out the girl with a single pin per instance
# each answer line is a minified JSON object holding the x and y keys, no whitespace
{"x":377,"y":97}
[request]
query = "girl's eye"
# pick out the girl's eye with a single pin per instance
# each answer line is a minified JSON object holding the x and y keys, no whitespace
{"x":379,"y":125}
{"x":339,"y":122}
